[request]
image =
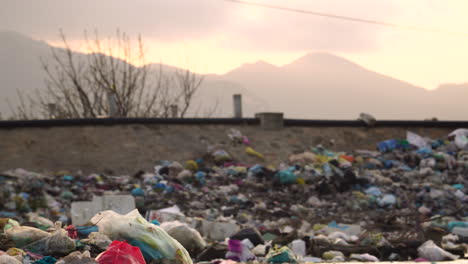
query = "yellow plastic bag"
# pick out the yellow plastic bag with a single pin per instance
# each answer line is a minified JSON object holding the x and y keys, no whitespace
{"x":254,"y":153}
{"x":191,"y":165}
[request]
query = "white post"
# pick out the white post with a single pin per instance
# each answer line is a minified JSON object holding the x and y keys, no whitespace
{"x":237,"y":105}
{"x":112,"y":101}
{"x":174,"y":111}
{"x":52,"y":111}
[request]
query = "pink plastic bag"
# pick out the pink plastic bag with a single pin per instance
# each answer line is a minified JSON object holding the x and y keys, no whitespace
{"x":121,"y":253}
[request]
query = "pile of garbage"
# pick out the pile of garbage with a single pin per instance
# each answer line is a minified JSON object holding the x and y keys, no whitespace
{"x":406,"y":200}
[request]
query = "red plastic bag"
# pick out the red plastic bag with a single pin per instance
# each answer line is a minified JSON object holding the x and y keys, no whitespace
{"x":121,"y":253}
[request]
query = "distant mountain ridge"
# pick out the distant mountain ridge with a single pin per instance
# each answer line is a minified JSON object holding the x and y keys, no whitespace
{"x":315,"y":86}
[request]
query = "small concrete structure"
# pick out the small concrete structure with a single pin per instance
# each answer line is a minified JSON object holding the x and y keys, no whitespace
{"x":271,"y":121}
{"x":82,"y":212}
{"x":237,"y":98}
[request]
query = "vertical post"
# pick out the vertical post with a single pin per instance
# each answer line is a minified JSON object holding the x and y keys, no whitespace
{"x":237,"y":105}
{"x":52,"y":110}
{"x":112,"y":101}
{"x":174,"y":111}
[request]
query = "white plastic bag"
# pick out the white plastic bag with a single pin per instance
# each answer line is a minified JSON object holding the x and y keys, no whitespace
{"x":187,"y":236}
{"x":461,"y":139}
{"x":298,"y":246}
{"x":416,"y":140}
{"x":430,"y":251}
{"x":134,"y":226}
{"x":42,"y":221}
{"x":6,"y":259}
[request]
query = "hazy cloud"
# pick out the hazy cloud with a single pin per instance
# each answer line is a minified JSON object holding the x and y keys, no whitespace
{"x":243,"y":27}
{"x":155,"y":19}
{"x":280,"y":30}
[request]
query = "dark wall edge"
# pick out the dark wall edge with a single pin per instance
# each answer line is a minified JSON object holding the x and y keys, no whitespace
{"x":221,"y":121}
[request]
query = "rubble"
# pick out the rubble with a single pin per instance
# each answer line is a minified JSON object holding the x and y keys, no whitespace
{"x":405,"y":201}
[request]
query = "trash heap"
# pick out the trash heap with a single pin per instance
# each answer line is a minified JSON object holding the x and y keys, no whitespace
{"x":406,"y":200}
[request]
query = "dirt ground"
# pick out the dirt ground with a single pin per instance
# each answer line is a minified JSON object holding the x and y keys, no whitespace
{"x":129,"y":148}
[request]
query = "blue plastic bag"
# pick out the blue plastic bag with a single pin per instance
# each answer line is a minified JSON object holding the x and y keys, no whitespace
{"x":148,"y":252}
{"x":286,"y":176}
{"x":138,"y":192}
{"x":387,"y":145}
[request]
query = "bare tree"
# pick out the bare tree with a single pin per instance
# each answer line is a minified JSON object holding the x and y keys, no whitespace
{"x":113,"y":79}
{"x":188,"y":84}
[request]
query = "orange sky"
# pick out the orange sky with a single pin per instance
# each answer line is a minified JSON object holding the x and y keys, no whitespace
{"x":423,"y":59}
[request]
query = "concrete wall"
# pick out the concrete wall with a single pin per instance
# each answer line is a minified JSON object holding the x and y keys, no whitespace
{"x":129,"y":148}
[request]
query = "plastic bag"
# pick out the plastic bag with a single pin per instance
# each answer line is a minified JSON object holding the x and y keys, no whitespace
{"x":254,"y":153}
{"x":78,"y":258}
{"x":148,"y":252}
{"x":133,"y":226}
{"x":286,"y":176}
{"x":364,"y":257}
{"x":5,"y":259}
{"x":298,"y":246}
{"x":334,"y":256}
{"x":188,"y":237}
{"x":46,"y":260}
{"x":387,"y":145}
{"x":416,"y":140}
{"x":100,"y":240}
{"x":238,"y":251}
{"x":461,"y":139}
{"x":302,"y":158}
{"x":235,"y":135}
{"x":16,"y":252}
{"x":42,"y":222}
{"x":60,"y":242}
{"x":342,"y":235}
{"x":191,"y":165}
{"x":281,"y":255}
{"x":23,"y":235}
{"x":85,"y":231}
{"x":121,"y":253}
{"x":387,"y":200}
{"x":56,"y":243}
{"x":221,"y":156}
{"x":430,"y":251}
{"x":375,"y":191}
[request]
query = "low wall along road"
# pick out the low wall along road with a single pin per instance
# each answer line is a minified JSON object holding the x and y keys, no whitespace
{"x":129,"y":145}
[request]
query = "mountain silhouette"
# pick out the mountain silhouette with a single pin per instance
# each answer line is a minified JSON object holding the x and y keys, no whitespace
{"x":315,"y":86}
